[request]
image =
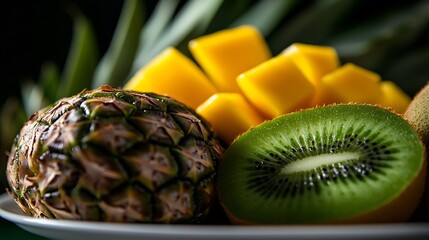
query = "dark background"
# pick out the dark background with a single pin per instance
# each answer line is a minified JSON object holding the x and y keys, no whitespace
{"x":36,"y":31}
{"x":33,"y":32}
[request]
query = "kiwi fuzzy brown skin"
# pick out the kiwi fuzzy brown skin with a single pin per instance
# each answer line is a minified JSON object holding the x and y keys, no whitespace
{"x":398,"y":209}
{"x":417,"y":114}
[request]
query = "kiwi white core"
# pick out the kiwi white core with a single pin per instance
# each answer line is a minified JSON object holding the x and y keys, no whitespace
{"x":313,"y":162}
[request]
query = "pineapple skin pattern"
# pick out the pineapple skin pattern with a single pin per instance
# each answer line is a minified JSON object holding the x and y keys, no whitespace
{"x":117,"y":156}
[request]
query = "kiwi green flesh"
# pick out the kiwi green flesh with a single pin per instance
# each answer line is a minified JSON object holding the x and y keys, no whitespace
{"x":319,"y":165}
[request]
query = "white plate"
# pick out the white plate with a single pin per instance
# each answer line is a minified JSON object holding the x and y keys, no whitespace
{"x":63,"y":229}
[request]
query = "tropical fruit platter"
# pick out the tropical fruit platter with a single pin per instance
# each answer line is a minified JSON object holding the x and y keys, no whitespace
{"x":286,"y":139}
{"x":229,"y":135}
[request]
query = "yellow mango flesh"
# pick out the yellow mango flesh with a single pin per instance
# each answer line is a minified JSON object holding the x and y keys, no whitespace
{"x":226,"y":54}
{"x":276,"y":86}
{"x":256,"y":86}
{"x":351,"y":83}
{"x":393,"y":97}
{"x":314,"y":61}
{"x":173,"y":74}
{"x":229,"y":114}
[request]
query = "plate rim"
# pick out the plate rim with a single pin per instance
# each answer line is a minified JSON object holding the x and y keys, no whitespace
{"x":395,"y":230}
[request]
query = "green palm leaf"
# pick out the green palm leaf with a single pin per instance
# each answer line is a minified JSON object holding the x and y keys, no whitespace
{"x":49,"y":80}
{"x":116,"y":63}
{"x":81,"y":60}
{"x":370,"y":43}
{"x":12,"y":116}
{"x":257,"y":15}
{"x":195,"y":14}
{"x":33,"y":95}
{"x":153,"y":28}
{"x":312,"y":25}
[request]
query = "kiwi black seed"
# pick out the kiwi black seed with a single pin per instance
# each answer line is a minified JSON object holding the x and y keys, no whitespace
{"x":327,"y":164}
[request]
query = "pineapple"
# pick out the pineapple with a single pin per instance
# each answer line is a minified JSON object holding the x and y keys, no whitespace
{"x":115,"y":155}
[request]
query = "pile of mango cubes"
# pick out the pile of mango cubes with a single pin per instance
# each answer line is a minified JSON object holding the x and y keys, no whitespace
{"x":239,"y":84}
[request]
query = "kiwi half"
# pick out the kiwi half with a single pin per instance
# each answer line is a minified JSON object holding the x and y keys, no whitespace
{"x":340,"y":163}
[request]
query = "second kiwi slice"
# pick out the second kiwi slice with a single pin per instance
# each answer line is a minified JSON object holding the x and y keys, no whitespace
{"x":333,"y":164}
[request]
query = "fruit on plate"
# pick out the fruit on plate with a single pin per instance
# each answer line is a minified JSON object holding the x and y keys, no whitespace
{"x":115,"y":155}
{"x":335,"y":164}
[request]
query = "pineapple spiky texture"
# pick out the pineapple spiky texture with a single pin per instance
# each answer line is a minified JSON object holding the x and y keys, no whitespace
{"x":115,"y":155}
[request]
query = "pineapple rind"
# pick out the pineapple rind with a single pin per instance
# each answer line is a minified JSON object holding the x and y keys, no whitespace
{"x":115,"y":155}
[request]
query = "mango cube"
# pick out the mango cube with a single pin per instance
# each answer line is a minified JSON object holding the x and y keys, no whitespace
{"x":276,"y":86}
{"x":225,"y":54}
{"x":229,"y":114}
{"x":323,"y":96}
{"x":393,"y":97}
{"x":314,"y":61}
{"x":172,"y":73}
{"x":351,"y":83}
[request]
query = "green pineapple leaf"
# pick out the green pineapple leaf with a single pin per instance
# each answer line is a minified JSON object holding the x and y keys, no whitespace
{"x":116,"y":63}
{"x":312,"y":25}
{"x":81,"y":60}
{"x":228,"y":12}
{"x":12,"y":117}
{"x":257,"y":14}
{"x":195,"y":14}
{"x":155,"y":25}
{"x":33,"y":95}
{"x":48,"y":80}
{"x":369,"y":43}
